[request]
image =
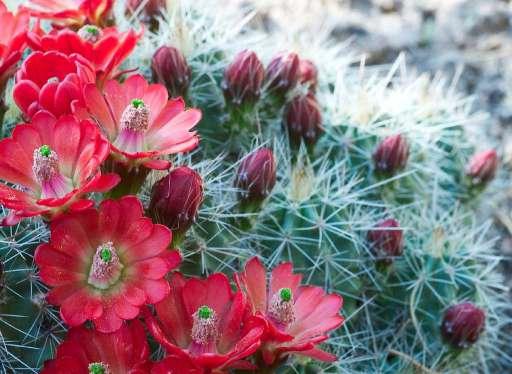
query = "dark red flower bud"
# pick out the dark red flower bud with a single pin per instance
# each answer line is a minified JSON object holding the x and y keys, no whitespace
{"x":152,"y":8}
{"x":256,"y":175}
{"x":482,"y":167}
{"x":282,"y":73}
{"x":170,"y":68}
{"x":303,"y":119}
{"x":308,"y":74}
{"x":243,"y":79}
{"x":386,"y":240}
{"x":462,"y":324}
{"x":175,"y":199}
{"x":391,"y":154}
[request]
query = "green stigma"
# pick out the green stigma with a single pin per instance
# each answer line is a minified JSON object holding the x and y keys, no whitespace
{"x":204,"y":312}
{"x":106,"y":254}
{"x":97,"y":368}
{"x":137,"y":103}
{"x":285,"y":294}
{"x":45,"y":150}
{"x":92,"y":30}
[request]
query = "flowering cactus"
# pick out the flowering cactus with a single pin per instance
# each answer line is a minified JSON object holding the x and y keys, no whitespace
{"x":114,"y":262}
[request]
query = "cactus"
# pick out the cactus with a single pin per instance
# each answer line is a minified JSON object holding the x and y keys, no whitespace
{"x":330,"y":190}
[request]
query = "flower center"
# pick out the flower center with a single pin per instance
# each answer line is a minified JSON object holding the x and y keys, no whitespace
{"x":90,"y":33}
{"x":204,"y":329}
{"x":281,"y":307}
{"x":135,"y":116}
{"x":98,"y":368}
{"x":106,"y":267}
{"x":45,"y":163}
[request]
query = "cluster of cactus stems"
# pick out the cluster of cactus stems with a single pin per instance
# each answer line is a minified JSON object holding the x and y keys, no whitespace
{"x":367,"y":180}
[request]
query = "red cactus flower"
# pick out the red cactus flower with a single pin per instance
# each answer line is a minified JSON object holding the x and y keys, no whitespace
{"x":204,"y":322}
{"x":72,"y":13}
{"x":282,"y":72}
{"x":462,"y":324}
{"x":482,"y":167}
{"x":391,"y":154}
{"x":303,"y":119}
{"x":175,"y":199}
{"x":298,"y":317}
{"x":174,"y":365}
{"x":243,"y":79}
{"x":308,"y":74}
{"x":170,"y":68}
{"x":140,"y":122}
{"x":256,"y":175}
{"x":12,"y":41}
{"x":51,"y":81}
{"x":106,"y":49}
{"x":52,"y":165}
{"x":86,"y":351}
{"x":103,"y":265}
{"x":386,"y":240}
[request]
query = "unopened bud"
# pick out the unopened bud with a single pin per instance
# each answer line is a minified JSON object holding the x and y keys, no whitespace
{"x":303,"y":119}
{"x":482,"y":167}
{"x":391,"y":154}
{"x":175,"y":199}
{"x":386,"y":240}
{"x":243,"y":79}
{"x":462,"y":325}
{"x":256,"y":175}
{"x":170,"y":68}
{"x":308,"y":74}
{"x":282,"y":73}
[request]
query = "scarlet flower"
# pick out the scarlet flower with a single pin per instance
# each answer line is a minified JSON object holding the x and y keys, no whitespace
{"x":482,"y":167}
{"x":71,"y":13}
{"x":52,"y":164}
{"x":51,"y":81}
{"x":86,"y":351}
{"x":106,"y":49}
{"x":104,"y":264}
{"x":140,"y":122}
{"x":173,"y":364}
{"x":12,"y":41}
{"x":204,"y":322}
{"x":462,"y":324}
{"x":298,"y":317}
